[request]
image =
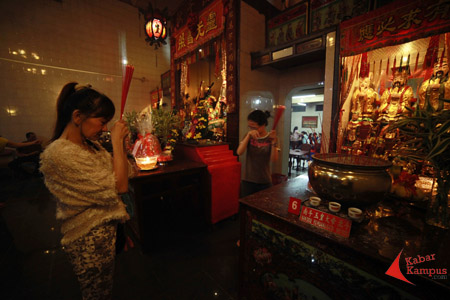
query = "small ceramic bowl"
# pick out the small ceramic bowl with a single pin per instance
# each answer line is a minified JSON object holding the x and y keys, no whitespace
{"x":314,"y":201}
{"x":354,"y":213}
{"x":334,"y":206}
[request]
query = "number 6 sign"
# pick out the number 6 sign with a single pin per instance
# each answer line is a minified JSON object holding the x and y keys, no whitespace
{"x":294,"y":206}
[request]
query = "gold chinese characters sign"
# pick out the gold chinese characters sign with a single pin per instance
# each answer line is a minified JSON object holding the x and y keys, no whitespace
{"x":288,"y":26}
{"x":394,"y":24}
{"x":210,"y":25}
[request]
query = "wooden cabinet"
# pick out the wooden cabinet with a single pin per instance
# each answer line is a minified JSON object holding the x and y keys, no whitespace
{"x":169,"y":197}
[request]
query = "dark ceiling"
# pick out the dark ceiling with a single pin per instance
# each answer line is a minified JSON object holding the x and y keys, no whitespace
{"x":171,"y":5}
{"x":263,"y":6}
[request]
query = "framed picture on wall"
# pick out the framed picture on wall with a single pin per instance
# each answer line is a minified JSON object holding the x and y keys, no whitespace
{"x":309,"y":122}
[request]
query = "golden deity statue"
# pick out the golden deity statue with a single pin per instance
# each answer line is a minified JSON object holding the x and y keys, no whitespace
{"x":353,"y":128}
{"x":438,"y":86}
{"x":364,"y":99}
{"x":396,"y":98}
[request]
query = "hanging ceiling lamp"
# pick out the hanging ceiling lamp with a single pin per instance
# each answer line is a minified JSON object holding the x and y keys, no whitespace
{"x":155,"y":27}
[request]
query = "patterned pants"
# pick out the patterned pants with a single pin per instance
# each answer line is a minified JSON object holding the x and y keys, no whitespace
{"x":92,"y":258}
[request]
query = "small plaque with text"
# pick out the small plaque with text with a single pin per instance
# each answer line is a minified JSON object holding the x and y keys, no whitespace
{"x":326,"y":221}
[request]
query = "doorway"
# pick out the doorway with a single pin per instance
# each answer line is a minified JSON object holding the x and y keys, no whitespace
{"x":306,"y":118}
{"x":307,"y":110}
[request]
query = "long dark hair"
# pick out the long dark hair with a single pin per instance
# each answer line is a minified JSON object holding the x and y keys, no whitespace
{"x":259,"y":117}
{"x":87,"y":100}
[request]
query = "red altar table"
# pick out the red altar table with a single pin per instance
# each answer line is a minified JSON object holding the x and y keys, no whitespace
{"x":224,"y":172}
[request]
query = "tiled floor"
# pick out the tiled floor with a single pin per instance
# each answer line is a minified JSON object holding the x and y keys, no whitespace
{"x":193,"y":264}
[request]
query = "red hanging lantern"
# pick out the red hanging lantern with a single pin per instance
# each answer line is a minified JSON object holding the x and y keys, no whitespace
{"x":155,"y":28}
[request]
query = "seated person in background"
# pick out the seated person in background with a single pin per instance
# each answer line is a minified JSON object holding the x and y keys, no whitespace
{"x":318,"y":142}
{"x":304,"y":137}
{"x":7,"y":143}
{"x":311,"y":139}
{"x":29,"y":153}
{"x":316,"y":146}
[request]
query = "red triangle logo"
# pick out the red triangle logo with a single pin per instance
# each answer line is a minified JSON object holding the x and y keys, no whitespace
{"x":394,"y":270}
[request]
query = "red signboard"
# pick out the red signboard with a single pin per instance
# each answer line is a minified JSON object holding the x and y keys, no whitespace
{"x":326,"y":221}
{"x":155,"y":97}
{"x":396,"y":23}
{"x":210,"y":25}
{"x":294,"y":205}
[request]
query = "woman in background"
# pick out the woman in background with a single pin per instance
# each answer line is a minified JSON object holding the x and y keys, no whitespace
{"x":295,"y":138}
{"x":261,"y":147}
{"x":86,"y":182}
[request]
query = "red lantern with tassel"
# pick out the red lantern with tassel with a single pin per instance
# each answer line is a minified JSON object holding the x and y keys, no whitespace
{"x":155,"y":27}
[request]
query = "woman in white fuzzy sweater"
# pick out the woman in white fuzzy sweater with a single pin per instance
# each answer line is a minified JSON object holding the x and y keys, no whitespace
{"x":86,"y":182}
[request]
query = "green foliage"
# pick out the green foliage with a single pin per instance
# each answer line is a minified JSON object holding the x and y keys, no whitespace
{"x":131,"y":118}
{"x":166,"y":126}
{"x":427,"y":137}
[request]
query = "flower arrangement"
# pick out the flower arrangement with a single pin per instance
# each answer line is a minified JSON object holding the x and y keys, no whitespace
{"x":199,"y":125}
{"x":404,"y":186}
{"x":207,"y":120}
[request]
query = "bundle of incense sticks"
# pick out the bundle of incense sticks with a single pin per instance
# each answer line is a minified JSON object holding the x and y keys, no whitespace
{"x":279,"y":109}
{"x":350,"y":159}
{"x":126,"y":81}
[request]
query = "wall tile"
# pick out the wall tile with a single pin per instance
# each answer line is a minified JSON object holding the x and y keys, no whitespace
{"x":76,"y":40}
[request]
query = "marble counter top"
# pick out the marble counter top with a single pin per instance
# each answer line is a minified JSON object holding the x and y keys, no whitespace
{"x":387,"y":228}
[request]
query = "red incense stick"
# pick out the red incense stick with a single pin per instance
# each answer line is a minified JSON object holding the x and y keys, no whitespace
{"x":126,"y":81}
{"x":279,"y":109}
{"x":417,"y":62}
